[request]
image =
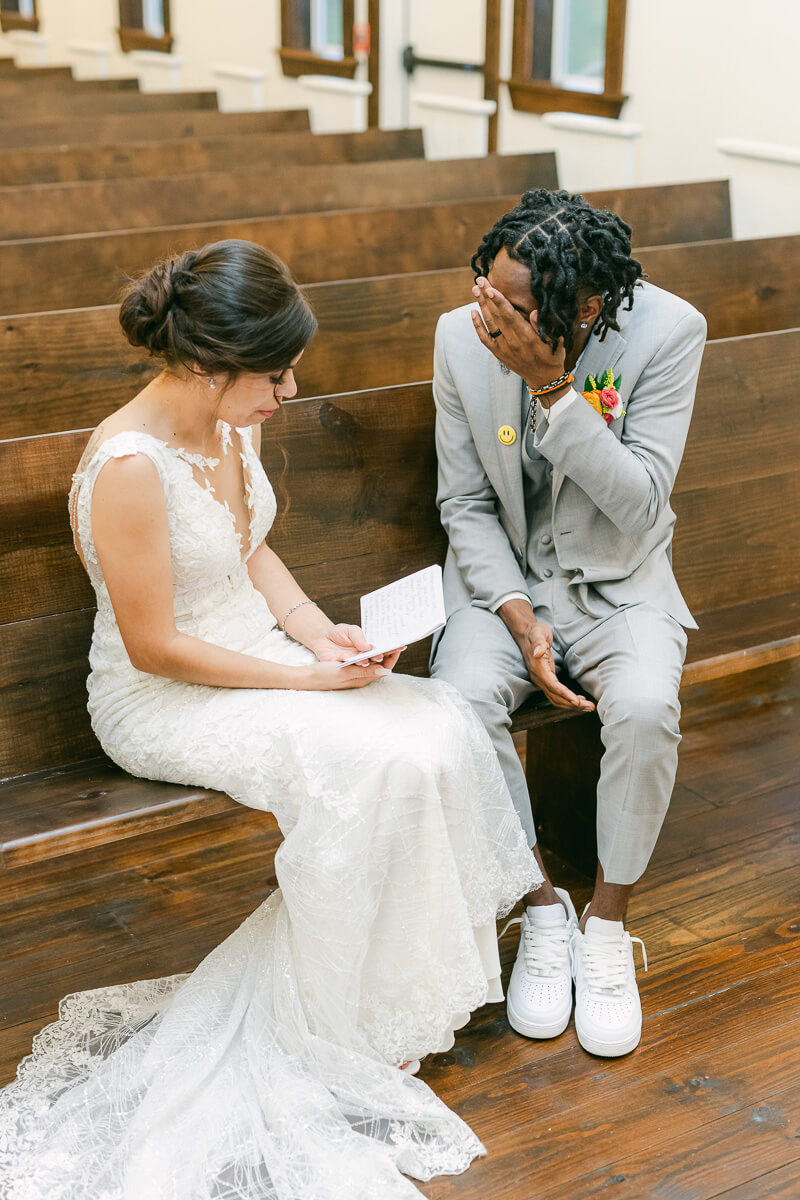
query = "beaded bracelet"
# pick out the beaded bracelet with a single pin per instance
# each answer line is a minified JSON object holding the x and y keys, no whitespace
{"x":562,"y":381}
{"x":282,"y":624}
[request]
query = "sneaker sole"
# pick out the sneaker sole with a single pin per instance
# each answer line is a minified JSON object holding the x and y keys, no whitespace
{"x":532,"y":1030}
{"x":608,"y":1049}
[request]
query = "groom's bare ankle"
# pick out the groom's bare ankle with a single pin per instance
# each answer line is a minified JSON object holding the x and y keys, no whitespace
{"x":546,"y":894}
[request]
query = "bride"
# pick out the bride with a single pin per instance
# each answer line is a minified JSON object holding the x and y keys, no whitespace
{"x":281,"y":1068}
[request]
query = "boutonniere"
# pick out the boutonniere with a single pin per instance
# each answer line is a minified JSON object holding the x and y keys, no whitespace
{"x":603,"y":395}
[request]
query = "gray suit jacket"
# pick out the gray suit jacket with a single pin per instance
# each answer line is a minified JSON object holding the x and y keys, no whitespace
{"x":612,"y":521}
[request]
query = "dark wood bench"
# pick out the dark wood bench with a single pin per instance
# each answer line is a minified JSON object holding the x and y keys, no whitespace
{"x":19,"y":86}
{"x":8,"y":67}
{"x":127,"y":127}
{"x":45,"y":209}
{"x":71,"y":368}
{"x":48,"y":105}
{"x":38,"y":274}
{"x":177,"y":156}
{"x":360,"y":470}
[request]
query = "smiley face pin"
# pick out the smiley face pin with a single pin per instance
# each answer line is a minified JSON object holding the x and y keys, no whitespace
{"x":507,"y":435}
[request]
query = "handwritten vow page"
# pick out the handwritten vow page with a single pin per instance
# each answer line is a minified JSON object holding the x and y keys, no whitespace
{"x":402,"y":612}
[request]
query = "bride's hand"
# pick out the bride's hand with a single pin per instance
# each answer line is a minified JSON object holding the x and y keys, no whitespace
{"x":344,"y":641}
{"x":330,"y":677}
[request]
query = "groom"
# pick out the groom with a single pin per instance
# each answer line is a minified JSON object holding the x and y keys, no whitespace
{"x":563,"y":403}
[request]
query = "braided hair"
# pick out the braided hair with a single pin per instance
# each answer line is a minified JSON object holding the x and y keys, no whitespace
{"x":568,"y":247}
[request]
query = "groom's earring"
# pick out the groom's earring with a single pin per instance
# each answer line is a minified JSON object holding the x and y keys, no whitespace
{"x":212,"y":382}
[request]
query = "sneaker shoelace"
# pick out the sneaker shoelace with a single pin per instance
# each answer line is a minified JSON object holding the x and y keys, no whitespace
{"x":546,"y":948}
{"x":605,"y":961}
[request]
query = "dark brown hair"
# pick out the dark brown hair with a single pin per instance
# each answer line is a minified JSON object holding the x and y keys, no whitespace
{"x":229,"y":308}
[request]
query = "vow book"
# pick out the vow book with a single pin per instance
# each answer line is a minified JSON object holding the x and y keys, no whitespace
{"x":402,"y":612}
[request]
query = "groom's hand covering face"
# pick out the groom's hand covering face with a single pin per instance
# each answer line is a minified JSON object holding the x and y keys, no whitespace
{"x":507,"y":326}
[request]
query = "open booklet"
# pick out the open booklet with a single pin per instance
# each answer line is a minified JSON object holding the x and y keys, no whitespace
{"x":402,"y":612}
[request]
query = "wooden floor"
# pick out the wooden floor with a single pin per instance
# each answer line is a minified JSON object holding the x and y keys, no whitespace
{"x":708,"y":1106}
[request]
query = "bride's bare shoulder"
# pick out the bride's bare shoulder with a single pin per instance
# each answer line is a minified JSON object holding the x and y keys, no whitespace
{"x":124,"y":420}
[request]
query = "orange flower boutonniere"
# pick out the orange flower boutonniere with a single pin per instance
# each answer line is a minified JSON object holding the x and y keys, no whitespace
{"x":603,"y":395}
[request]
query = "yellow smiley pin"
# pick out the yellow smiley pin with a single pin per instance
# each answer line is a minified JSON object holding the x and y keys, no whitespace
{"x":507,"y":435}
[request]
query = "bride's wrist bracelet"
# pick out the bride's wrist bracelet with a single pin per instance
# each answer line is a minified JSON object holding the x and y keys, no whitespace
{"x":282,"y":624}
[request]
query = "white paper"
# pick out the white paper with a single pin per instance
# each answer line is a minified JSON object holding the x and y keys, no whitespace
{"x":402,"y":612}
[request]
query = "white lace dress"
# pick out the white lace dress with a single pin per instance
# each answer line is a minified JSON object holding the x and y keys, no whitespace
{"x":270,"y":1072}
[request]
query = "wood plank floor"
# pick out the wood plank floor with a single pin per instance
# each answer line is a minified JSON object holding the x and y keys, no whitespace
{"x":707,"y":1107}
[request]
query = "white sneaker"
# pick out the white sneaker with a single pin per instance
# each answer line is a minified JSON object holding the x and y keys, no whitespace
{"x":540,"y":992}
{"x":608,"y":1012}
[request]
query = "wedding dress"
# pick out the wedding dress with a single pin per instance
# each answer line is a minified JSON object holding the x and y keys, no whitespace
{"x":270,"y":1072}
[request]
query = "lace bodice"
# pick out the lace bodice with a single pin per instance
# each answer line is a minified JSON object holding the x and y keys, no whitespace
{"x":206,"y":547}
{"x":209,"y":572}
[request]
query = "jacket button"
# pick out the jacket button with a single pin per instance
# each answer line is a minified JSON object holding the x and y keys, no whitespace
{"x":547,"y":572}
{"x":546,"y":539}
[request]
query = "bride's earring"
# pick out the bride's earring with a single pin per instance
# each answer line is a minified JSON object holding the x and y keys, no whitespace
{"x":212,"y":383}
{"x":584,"y":325}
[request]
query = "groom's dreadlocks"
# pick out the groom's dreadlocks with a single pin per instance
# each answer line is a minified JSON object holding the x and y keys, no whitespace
{"x":569,"y":248}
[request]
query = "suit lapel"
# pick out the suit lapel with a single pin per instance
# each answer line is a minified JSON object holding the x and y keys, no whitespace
{"x":505,"y":405}
{"x":595,"y":360}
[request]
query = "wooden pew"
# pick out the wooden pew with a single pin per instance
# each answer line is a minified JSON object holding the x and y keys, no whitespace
{"x":360,"y":471}
{"x":127,"y":127}
{"x":71,"y":368}
{"x":45,"y":209}
{"x":48,"y":105}
{"x":19,"y":88}
{"x":177,"y":156}
{"x":9,"y":68}
{"x":38,"y":274}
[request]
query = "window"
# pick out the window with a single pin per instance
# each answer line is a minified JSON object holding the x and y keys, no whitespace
{"x":18,"y":14}
{"x":317,"y":37}
{"x":568,"y":56}
{"x":327,"y":29}
{"x":144,"y":25}
{"x":579,"y":45}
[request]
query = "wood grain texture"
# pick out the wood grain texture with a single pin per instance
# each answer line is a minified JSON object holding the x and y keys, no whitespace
{"x":57,"y":86}
{"x":742,"y":286}
{"x":127,"y":127}
{"x":42,"y":210}
{"x":49,"y":105}
{"x":95,"y":804}
{"x":88,"y":269}
{"x":738,"y":539}
{"x":43,"y":670}
{"x":9,"y":68}
{"x":179,"y":156}
{"x":71,"y":368}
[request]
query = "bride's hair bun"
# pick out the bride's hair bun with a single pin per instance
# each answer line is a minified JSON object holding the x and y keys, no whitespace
{"x":146,"y":315}
{"x":228,"y":308}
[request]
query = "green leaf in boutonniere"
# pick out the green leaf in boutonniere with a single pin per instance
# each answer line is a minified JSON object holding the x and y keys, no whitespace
{"x":591,"y":384}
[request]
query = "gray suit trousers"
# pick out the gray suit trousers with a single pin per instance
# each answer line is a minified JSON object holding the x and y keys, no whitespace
{"x":630,"y":663}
